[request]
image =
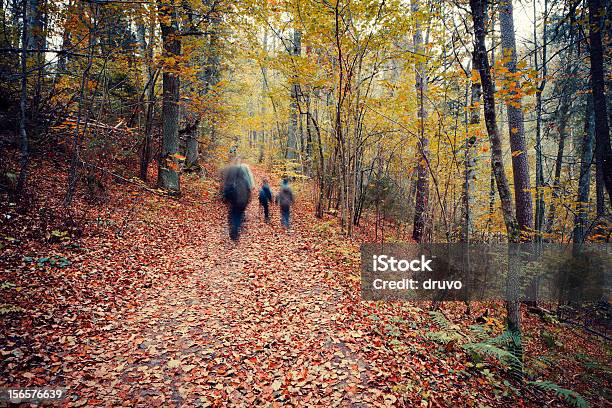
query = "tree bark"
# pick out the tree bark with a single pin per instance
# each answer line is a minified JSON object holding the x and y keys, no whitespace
{"x":193,"y":145}
{"x":169,"y":164}
{"x":469,"y":158}
{"x":539,"y":181}
{"x":81,"y":126}
{"x":516,"y":130}
{"x":150,"y":100}
{"x":292,"y":131}
{"x":586,"y":158}
{"x":603,"y":153}
{"x":23,"y":136}
{"x":563,"y":116}
{"x":262,"y":106}
{"x":212,"y":73}
{"x":513,"y":311}
{"x":34,"y":22}
{"x":488,"y":92}
{"x":422,"y":189}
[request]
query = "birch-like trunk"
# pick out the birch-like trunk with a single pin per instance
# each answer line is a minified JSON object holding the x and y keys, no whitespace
{"x":422,"y":188}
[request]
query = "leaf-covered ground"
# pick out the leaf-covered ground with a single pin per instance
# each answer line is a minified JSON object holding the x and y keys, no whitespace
{"x":143,"y":300}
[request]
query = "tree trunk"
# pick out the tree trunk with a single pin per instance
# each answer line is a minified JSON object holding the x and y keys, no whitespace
{"x":292,"y":131}
{"x":469,"y":158}
{"x":563,"y":116}
{"x":540,"y":206}
{"x":422,"y":189}
{"x":516,"y":130}
{"x":520,"y":172}
{"x":34,"y":20}
{"x":81,"y":126}
{"x":169,"y":164}
{"x":23,"y":136}
{"x":488,"y":92}
{"x":478,"y":8}
{"x":262,"y":106}
{"x":151,"y":76}
{"x":212,"y":73}
{"x":145,"y":157}
{"x":603,"y":153}
{"x":586,"y":158}
{"x":193,"y":145}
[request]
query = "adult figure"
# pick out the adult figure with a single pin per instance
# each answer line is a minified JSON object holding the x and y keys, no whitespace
{"x":237,"y":185}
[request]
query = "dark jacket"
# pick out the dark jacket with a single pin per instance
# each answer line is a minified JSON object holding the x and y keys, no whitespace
{"x":265,"y":194}
{"x":284,"y":198}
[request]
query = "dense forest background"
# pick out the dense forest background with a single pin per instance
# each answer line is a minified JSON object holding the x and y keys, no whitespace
{"x":401,"y":121}
{"x":436,"y":116}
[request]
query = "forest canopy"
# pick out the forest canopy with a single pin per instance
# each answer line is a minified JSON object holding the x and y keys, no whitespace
{"x":437,"y":115}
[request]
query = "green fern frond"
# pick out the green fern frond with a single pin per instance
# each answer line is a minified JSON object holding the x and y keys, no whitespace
{"x":507,"y":338}
{"x":479,"y":332}
{"x":493,"y":351}
{"x":440,"y":320}
{"x":570,"y":396}
{"x":444,"y":337}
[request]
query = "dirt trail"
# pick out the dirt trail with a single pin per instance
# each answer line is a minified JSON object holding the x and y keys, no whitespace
{"x":241,"y":323}
{"x":159,"y":308}
{"x":153,"y":305}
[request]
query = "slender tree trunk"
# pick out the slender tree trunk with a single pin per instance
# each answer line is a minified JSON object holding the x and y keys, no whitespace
{"x":145,"y":157}
{"x":422,"y":189}
{"x":169,"y":164}
{"x":586,"y":158}
{"x":516,"y":130}
{"x":151,"y":77}
{"x":513,"y":311}
{"x":292,"y":132}
{"x":469,"y":160}
{"x":262,"y":109}
{"x":23,"y":172}
{"x":540,"y":206}
{"x":520,"y":172}
{"x":603,"y":153}
{"x":213,"y":72}
{"x":488,"y":92}
{"x":66,"y":44}
{"x":563,"y":115}
{"x":34,"y":20}
{"x":81,"y":126}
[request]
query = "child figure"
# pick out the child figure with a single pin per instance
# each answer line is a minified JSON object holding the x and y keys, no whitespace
{"x":265,"y":198}
{"x":284,"y":198}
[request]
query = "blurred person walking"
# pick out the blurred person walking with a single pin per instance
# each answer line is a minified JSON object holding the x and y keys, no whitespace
{"x":265,"y":198}
{"x":285,"y":199}
{"x":237,"y":185}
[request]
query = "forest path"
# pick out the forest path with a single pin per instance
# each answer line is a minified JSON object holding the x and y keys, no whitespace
{"x":243,"y":323}
{"x":157,"y":307}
